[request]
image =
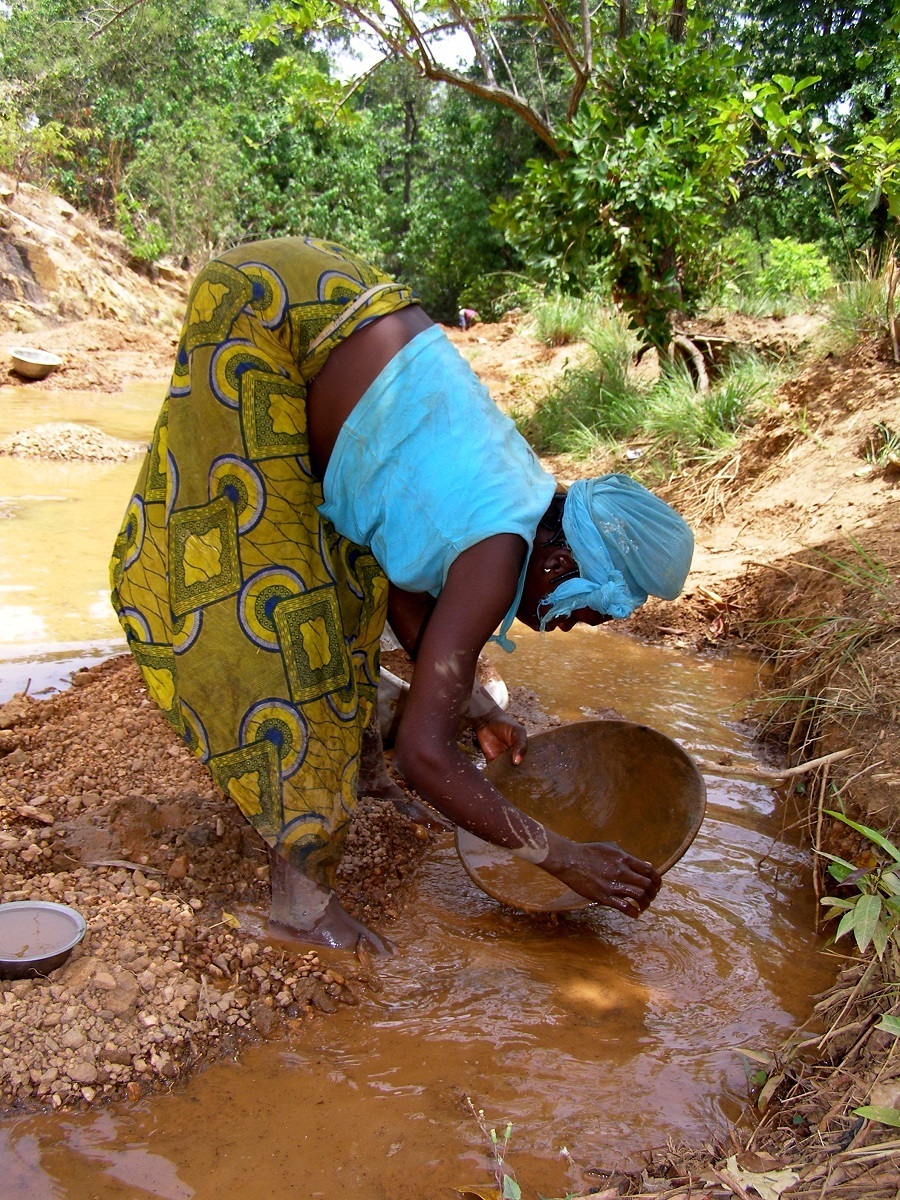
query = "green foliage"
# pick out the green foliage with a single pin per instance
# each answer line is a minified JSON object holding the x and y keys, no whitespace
{"x":146,"y":239}
{"x":769,"y":278}
{"x":873,"y":914}
{"x":498,"y":292}
{"x":872,"y":173}
{"x":643,"y":178}
{"x":794,"y":268}
{"x":651,"y":161}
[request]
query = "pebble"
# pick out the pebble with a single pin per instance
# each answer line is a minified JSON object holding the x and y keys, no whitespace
{"x":158,"y":984}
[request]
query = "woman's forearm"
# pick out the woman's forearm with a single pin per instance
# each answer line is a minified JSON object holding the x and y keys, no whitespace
{"x":450,"y":782}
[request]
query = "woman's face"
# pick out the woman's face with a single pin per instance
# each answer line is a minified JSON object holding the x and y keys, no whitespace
{"x":547,"y":566}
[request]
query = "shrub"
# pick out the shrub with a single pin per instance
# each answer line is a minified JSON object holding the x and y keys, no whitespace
{"x":794,"y":268}
{"x":496,"y":293}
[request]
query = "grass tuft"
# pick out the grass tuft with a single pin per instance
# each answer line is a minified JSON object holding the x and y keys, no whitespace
{"x":561,"y":320}
{"x":604,"y":400}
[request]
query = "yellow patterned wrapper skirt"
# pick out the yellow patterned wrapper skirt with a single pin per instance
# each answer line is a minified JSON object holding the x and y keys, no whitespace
{"x":255,"y":625}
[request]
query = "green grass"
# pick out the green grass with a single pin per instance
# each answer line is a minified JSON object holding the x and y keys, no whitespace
{"x":695,"y":426}
{"x":560,"y":320}
{"x":858,"y":311}
{"x":596,"y":403}
{"x":604,"y":401}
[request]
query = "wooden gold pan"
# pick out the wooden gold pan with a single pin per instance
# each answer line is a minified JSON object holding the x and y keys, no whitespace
{"x":592,"y":781}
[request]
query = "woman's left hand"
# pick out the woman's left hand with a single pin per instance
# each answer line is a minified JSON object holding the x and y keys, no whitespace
{"x":500,"y":732}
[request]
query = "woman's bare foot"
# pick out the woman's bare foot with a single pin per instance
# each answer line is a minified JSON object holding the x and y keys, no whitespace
{"x":311,"y":913}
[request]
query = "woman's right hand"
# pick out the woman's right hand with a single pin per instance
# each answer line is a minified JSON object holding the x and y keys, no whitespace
{"x":604,"y":873}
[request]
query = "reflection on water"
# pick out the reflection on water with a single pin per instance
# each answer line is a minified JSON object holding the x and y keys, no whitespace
{"x":58,"y":521}
{"x":594,"y":1032}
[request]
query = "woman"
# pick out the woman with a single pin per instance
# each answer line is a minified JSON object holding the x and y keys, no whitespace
{"x":325,"y":460}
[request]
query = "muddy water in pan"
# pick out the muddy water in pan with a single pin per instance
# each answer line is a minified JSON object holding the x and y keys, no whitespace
{"x":592,"y":1032}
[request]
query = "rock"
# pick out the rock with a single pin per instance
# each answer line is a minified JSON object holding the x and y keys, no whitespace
{"x":322,"y":1001}
{"x":263,"y":1018}
{"x":74,"y":1039}
{"x":127,"y":990}
{"x":117,"y":1055}
{"x":179,"y":868}
{"x":14,"y":711}
{"x":82,"y":1072}
{"x":75,"y":974}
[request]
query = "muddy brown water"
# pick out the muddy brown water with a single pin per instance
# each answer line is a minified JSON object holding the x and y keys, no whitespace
{"x":590,"y":1032}
{"x":29,"y":933}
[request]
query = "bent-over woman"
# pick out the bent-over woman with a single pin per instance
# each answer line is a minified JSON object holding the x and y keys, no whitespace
{"x":325,"y":460}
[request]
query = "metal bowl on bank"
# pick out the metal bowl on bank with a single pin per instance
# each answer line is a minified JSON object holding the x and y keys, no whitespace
{"x":592,"y":781}
{"x":32,"y":363}
{"x":36,"y":937}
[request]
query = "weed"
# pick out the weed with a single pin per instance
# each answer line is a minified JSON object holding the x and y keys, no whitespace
{"x":560,"y":320}
{"x":508,"y":1188}
{"x":863,"y":306}
{"x":820,"y":661}
{"x":883,"y":449}
{"x":873,"y":914}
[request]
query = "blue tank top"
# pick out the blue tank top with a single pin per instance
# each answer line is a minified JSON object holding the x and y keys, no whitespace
{"x":426,"y":466}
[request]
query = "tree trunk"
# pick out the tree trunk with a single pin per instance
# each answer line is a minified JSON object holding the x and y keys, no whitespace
{"x":677,"y":20}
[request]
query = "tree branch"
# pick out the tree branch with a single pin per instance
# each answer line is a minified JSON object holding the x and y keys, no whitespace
{"x":477,"y":45}
{"x":421,"y":59}
{"x":561,"y":31}
{"x":117,"y":16}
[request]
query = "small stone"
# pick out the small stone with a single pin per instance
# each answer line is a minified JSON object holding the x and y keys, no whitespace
{"x":263,"y":1018}
{"x":322,"y":1001}
{"x":73,"y":1039}
{"x":118,"y":1055}
{"x":77,"y":972}
{"x":82,"y":1072}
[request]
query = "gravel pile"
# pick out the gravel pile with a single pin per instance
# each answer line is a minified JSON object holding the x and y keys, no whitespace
{"x":68,"y":443}
{"x":382,"y":849}
{"x":102,"y":808}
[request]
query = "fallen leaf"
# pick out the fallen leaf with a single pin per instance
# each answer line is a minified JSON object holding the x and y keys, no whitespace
{"x":768,"y":1184}
{"x":772,"y":1084}
{"x":231,"y":921}
{"x":873,"y":1112}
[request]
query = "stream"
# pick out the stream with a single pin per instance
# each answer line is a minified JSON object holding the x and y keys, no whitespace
{"x":591,"y":1032}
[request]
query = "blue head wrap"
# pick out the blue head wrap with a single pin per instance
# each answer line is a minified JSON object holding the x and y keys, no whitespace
{"x":628,"y":544}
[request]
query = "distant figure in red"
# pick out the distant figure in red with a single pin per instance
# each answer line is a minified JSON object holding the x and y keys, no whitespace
{"x":467,"y":318}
